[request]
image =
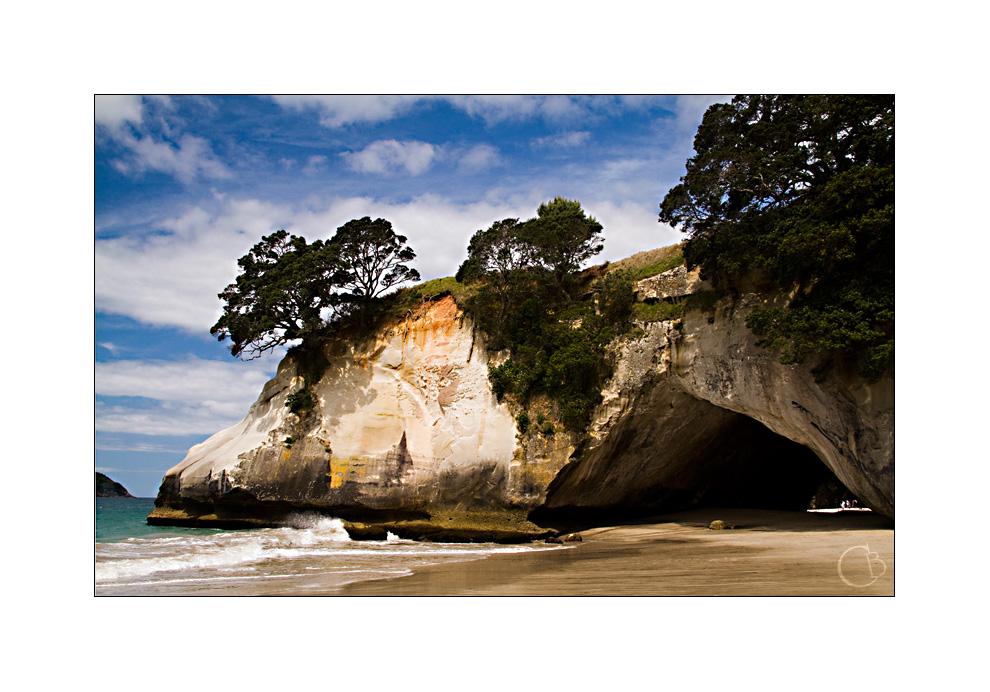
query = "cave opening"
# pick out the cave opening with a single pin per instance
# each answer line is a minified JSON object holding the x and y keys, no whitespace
{"x":682,"y":453}
{"x":755,"y":468}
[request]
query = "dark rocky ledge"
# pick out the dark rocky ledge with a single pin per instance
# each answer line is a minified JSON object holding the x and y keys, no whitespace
{"x":450,"y":525}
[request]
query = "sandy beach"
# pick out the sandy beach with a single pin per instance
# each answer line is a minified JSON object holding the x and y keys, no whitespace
{"x":769,"y":553}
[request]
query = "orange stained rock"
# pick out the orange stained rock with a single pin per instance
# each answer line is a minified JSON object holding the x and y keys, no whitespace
{"x":434,"y":323}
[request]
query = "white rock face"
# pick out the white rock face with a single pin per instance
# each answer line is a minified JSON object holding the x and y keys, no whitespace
{"x":674,"y":283}
{"x":847,"y":422}
{"x":405,"y":419}
{"x":665,"y":428}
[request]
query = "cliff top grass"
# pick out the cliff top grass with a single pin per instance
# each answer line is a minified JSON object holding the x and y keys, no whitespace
{"x":412,"y":296}
{"x":649,"y":262}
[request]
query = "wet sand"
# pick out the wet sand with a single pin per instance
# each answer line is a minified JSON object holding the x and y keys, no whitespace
{"x":769,"y":553}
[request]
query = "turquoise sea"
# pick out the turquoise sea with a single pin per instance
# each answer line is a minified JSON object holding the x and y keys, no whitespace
{"x":311,"y":555}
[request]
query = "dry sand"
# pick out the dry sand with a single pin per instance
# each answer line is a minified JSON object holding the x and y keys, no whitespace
{"x":769,"y":553}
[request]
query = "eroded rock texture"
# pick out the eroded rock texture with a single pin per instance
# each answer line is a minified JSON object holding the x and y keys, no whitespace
{"x":696,"y":412}
{"x":404,"y":427}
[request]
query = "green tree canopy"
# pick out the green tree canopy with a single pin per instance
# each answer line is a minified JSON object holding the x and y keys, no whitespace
{"x":284,"y":289}
{"x":523,"y":272}
{"x":288,"y":289}
{"x":562,"y":238}
{"x":501,"y":257}
{"x":496,"y":252}
{"x":373,"y":257}
{"x":800,"y":190}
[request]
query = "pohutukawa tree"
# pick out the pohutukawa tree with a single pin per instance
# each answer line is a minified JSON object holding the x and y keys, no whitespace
{"x":283,"y":292}
{"x":288,"y":289}
{"x":373,"y":256}
{"x":800,"y":189}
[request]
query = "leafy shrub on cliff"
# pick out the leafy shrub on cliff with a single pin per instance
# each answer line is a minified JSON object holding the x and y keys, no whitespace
{"x":799,"y":189}
{"x":657,"y":312}
{"x":532,"y":299}
{"x":562,"y":356}
{"x":300,"y":401}
{"x":616,"y":298}
{"x":523,"y":420}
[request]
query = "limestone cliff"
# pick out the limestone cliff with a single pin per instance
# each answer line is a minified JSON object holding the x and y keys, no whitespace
{"x":404,"y":426}
{"x":404,"y":430}
{"x":677,"y":420}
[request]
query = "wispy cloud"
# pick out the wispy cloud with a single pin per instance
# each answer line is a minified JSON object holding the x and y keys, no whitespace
{"x":689,"y":109}
{"x":480,"y":157}
{"x":171,"y":279}
{"x":563,"y":140}
{"x":155,"y":144}
{"x":342,"y":111}
{"x":193,"y":396}
{"x":192,"y":378}
{"x":168,"y":418}
{"x":114,"y":111}
{"x":496,"y":109}
{"x":187,"y":159}
{"x":389,"y":155}
{"x":338,"y":111}
{"x":314,"y":164}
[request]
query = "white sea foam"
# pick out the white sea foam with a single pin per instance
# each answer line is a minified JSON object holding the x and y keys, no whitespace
{"x":146,"y":556}
{"x":308,"y":548}
{"x":236,"y":553}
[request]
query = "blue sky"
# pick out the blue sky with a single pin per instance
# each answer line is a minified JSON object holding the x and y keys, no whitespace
{"x":185,"y":185}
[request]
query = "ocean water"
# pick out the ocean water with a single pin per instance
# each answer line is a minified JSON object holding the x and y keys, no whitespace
{"x":311,"y":555}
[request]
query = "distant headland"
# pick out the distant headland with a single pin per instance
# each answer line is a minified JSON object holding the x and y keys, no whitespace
{"x":106,"y":487}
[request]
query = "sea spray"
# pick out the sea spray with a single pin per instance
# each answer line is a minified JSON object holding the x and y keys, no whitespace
{"x":311,"y":553}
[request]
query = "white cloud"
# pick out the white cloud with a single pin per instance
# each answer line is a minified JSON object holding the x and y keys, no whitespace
{"x":388,"y":155}
{"x":314,"y":164}
{"x":186,"y":156}
{"x":190,"y":158}
{"x":629,"y":227}
{"x":689,"y":110}
{"x":222,"y":391}
{"x":193,"y":378}
{"x":338,"y":111}
{"x":439,"y":230}
{"x":564,"y":140}
{"x":495,"y":109}
{"x":480,"y":157}
{"x":113,"y":111}
{"x":168,"y":419}
{"x":172,"y":280}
